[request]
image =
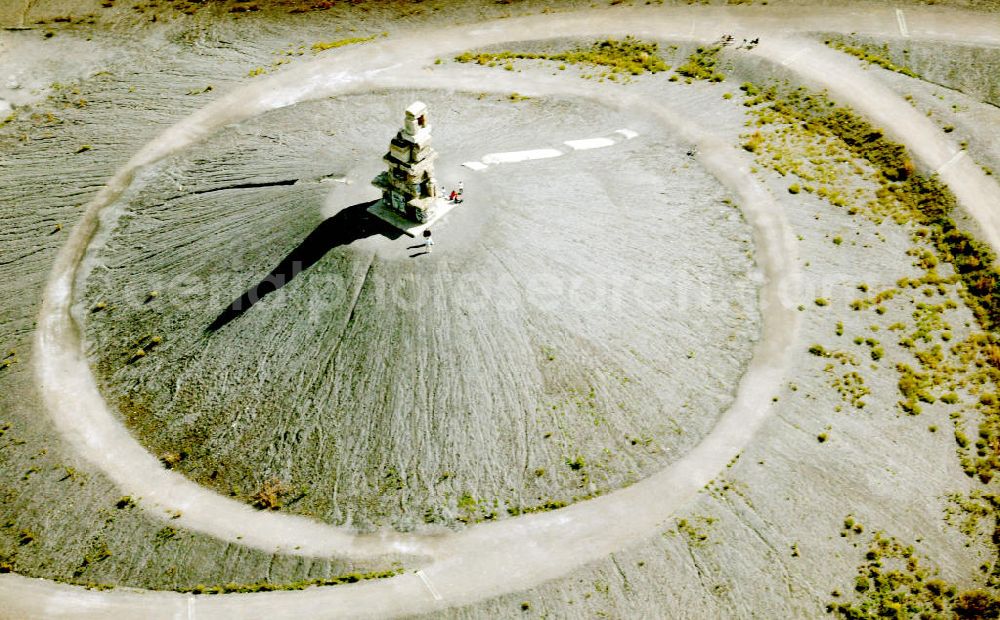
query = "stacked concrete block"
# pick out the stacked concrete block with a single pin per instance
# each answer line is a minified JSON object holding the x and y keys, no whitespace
{"x":408,"y":186}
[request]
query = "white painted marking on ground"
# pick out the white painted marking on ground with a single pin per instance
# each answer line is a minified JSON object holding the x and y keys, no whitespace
{"x":901,"y":19}
{"x":954,"y":158}
{"x":190,"y":608}
{"x":516,"y":156}
{"x":793,"y":57}
{"x":589,"y":143}
{"x":427,"y":582}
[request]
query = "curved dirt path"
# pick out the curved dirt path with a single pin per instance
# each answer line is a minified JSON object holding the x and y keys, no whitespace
{"x":514,"y":554}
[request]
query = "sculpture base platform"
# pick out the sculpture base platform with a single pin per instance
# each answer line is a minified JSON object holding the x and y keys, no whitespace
{"x":411,"y":228}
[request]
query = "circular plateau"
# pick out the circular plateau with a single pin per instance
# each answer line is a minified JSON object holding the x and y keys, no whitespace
{"x":710,"y":336}
{"x":582,"y":321}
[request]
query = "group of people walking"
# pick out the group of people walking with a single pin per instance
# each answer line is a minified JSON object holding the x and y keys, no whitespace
{"x":727,"y":39}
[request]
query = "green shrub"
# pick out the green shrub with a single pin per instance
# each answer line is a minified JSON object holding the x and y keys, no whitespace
{"x":866,"y":54}
{"x":628,"y":57}
{"x":754,"y":142}
{"x":321,"y":46}
{"x":702,"y":65}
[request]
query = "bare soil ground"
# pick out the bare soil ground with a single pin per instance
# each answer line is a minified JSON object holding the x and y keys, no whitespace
{"x":538,"y":357}
{"x":526,"y":362}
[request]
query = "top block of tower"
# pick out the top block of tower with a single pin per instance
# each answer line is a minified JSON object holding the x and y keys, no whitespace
{"x":416,"y":127}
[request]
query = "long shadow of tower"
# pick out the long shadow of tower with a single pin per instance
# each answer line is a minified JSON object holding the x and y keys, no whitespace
{"x":347,"y":226}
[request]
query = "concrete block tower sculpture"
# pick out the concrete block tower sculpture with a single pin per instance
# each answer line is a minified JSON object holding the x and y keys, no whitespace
{"x":408,"y":186}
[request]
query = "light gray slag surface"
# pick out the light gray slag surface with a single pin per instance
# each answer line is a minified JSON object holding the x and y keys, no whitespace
{"x":598,"y":306}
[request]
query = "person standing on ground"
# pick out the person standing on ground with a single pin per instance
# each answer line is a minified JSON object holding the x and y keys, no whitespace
{"x":428,"y":241}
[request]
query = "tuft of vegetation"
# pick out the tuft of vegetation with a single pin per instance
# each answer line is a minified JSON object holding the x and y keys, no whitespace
{"x":753,"y":142}
{"x":322,"y":46}
{"x":612,"y":57}
{"x":695,"y":530}
{"x":703,"y":65}
{"x":270,"y":495}
{"x":851,"y":388}
{"x":544,"y":507}
{"x":164,"y":535}
{"x":264,"y":586}
{"x":893,"y":583}
{"x":868,"y":54}
{"x":98,"y":553}
{"x":818,"y":350}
